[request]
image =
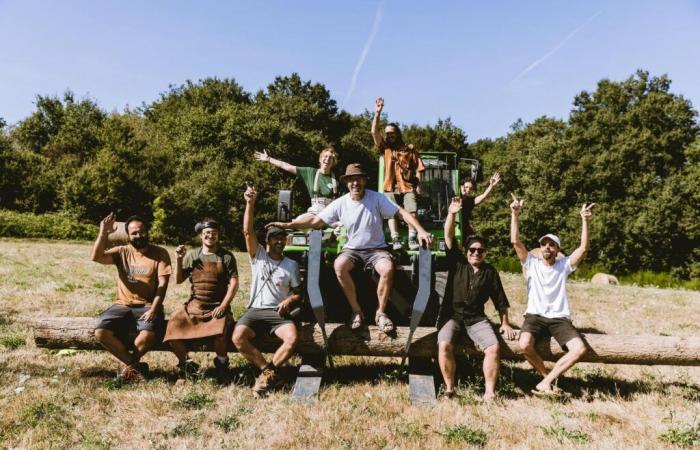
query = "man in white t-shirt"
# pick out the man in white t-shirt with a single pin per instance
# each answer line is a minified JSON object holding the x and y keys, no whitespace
{"x":362,"y":212}
{"x":547,"y":303}
{"x":274,"y":291}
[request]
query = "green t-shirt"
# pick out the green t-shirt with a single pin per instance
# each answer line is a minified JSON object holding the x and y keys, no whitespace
{"x":324,"y":187}
{"x":222,"y":255}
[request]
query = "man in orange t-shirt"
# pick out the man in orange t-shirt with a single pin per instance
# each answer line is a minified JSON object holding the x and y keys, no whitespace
{"x":144,"y":271}
{"x":402,"y":173}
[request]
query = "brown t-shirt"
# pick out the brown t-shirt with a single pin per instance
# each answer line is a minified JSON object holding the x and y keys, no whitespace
{"x":138,"y":273}
{"x":400,"y":167}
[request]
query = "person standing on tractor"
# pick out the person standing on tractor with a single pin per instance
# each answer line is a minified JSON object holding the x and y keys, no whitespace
{"x":207,"y":313}
{"x":274,"y":292}
{"x":362,"y":212}
{"x":144,"y":271}
{"x":470,"y":283}
{"x":548,"y":312}
{"x":402,"y":173}
{"x":320,"y":183}
{"x":469,"y":201}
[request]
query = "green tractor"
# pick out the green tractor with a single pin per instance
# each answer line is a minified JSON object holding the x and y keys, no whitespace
{"x":440,"y":183}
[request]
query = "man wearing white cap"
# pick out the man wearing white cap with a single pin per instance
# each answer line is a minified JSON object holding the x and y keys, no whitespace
{"x":547,"y":303}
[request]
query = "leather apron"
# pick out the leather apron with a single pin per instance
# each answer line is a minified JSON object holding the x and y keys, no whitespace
{"x":194,"y":319}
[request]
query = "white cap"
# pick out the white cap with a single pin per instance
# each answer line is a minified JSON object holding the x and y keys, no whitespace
{"x":551,"y":236}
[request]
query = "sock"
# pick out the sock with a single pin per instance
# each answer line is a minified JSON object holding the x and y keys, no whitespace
{"x":412,"y":234}
{"x":222,"y":359}
{"x":394,"y":234}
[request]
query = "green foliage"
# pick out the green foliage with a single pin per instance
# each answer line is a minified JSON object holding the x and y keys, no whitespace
{"x":563,"y":435}
{"x":46,"y":412}
{"x":12,"y":341}
{"x":458,"y":434}
{"x":194,"y":400}
{"x":682,"y":436}
{"x":631,"y":146}
{"x":53,"y":226}
{"x":228,"y":423}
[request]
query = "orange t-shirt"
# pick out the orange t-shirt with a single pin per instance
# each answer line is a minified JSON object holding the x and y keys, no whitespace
{"x":400,"y":167}
{"x":138,"y":273}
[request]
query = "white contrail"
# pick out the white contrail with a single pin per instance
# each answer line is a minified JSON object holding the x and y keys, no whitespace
{"x":361,"y":60}
{"x":556,"y":48}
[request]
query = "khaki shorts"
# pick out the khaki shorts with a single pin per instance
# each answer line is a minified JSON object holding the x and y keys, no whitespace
{"x":365,"y":258}
{"x":560,"y":329}
{"x":408,"y":200}
{"x":481,"y":333}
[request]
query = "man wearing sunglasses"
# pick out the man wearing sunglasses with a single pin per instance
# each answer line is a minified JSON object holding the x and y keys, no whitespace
{"x":470,"y":283}
{"x":547,"y":303}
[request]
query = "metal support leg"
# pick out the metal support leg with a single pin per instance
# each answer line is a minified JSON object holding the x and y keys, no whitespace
{"x":308,"y":381}
{"x":421,"y":382}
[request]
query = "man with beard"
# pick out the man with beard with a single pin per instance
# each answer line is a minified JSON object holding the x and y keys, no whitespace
{"x":402,"y":173}
{"x":144,"y":271}
{"x":469,"y":201}
{"x":207,"y":314}
{"x":470,"y":283}
{"x":274,"y":293}
{"x":362,"y":212}
{"x":547,"y":310}
{"x":319,"y":182}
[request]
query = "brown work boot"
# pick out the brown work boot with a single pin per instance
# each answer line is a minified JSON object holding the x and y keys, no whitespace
{"x":266,"y":380}
{"x":130,"y":375}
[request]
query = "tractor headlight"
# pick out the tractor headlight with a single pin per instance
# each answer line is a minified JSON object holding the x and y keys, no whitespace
{"x":299,"y":240}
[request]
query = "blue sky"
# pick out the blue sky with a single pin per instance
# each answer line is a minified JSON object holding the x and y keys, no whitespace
{"x":484,"y":64}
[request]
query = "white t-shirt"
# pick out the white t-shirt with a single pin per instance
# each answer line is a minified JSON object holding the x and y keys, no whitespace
{"x":272,"y":281}
{"x":546,"y":287}
{"x":363,"y":220}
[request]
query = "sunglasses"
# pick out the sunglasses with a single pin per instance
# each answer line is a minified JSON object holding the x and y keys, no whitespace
{"x":478,"y":250}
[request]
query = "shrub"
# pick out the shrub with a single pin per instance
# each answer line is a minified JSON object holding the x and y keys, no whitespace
{"x":47,"y":226}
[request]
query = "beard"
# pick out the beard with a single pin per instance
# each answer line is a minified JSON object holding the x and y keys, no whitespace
{"x":391,"y":141}
{"x":139,"y":243}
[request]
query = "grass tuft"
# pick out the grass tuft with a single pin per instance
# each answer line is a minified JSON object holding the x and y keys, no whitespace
{"x":44,"y":413}
{"x":562,"y":434}
{"x":228,"y":423}
{"x":194,"y":400}
{"x":462,"y":434}
{"x":13,"y":341}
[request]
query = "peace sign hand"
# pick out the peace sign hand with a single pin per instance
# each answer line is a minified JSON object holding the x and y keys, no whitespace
{"x":495,"y":178}
{"x":586,"y":211}
{"x":107,"y":225}
{"x":517,"y":205}
{"x":379,"y":105}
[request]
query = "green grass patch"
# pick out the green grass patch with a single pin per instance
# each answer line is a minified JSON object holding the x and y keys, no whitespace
{"x":12,"y":341}
{"x":462,"y":434}
{"x":194,"y":400}
{"x":45,"y":412}
{"x":562,"y":434}
{"x":189,"y":427}
{"x":684,"y":436}
{"x":228,"y":423}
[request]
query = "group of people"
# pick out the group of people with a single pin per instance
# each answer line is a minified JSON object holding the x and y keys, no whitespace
{"x":276,"y":288}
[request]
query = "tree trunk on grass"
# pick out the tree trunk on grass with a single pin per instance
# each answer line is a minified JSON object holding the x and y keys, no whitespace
{"x":78,"y":333}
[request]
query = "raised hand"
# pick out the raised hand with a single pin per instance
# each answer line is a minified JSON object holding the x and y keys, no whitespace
{"x":586,"y":211}
{"x":107,"y":225}
{"x":379,"y":105}
{"x":455,"y":205}
{"x":517,"y":205}
{"x":250,"y":194}
{"x":495,"y":178}
{"x":180,"y":251}
{"x":262,"y":156}
{"x":282,"y":225}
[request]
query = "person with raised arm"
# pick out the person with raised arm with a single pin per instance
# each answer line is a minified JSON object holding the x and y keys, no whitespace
{"x":471,"y":282}
{"x":144,"y":271}
{"x":362,"y":212}
{"x":213,"y":274}
{"x":403,"y":170}
{"x":469,"y":201}
{"x":320,"y":182}
{"x":548,"y":312}
{"x":274,"y":292}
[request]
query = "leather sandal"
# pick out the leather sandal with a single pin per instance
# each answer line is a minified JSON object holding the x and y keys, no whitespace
{"x":384,"y":323}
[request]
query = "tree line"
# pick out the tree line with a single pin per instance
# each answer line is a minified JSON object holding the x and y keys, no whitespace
{"x":631,"y":146}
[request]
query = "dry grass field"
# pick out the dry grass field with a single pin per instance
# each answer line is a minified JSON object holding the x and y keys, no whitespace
{"x":54,"y":399}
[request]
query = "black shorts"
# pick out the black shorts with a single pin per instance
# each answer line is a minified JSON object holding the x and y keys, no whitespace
{"x":263,"y":321}
{"x":121,"y":320}
{"x":560,"y":329}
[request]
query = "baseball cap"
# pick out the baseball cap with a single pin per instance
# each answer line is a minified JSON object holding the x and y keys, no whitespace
{"x":551,"y":236}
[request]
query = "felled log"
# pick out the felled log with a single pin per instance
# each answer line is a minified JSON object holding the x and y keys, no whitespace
{"x":77,"y":333}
